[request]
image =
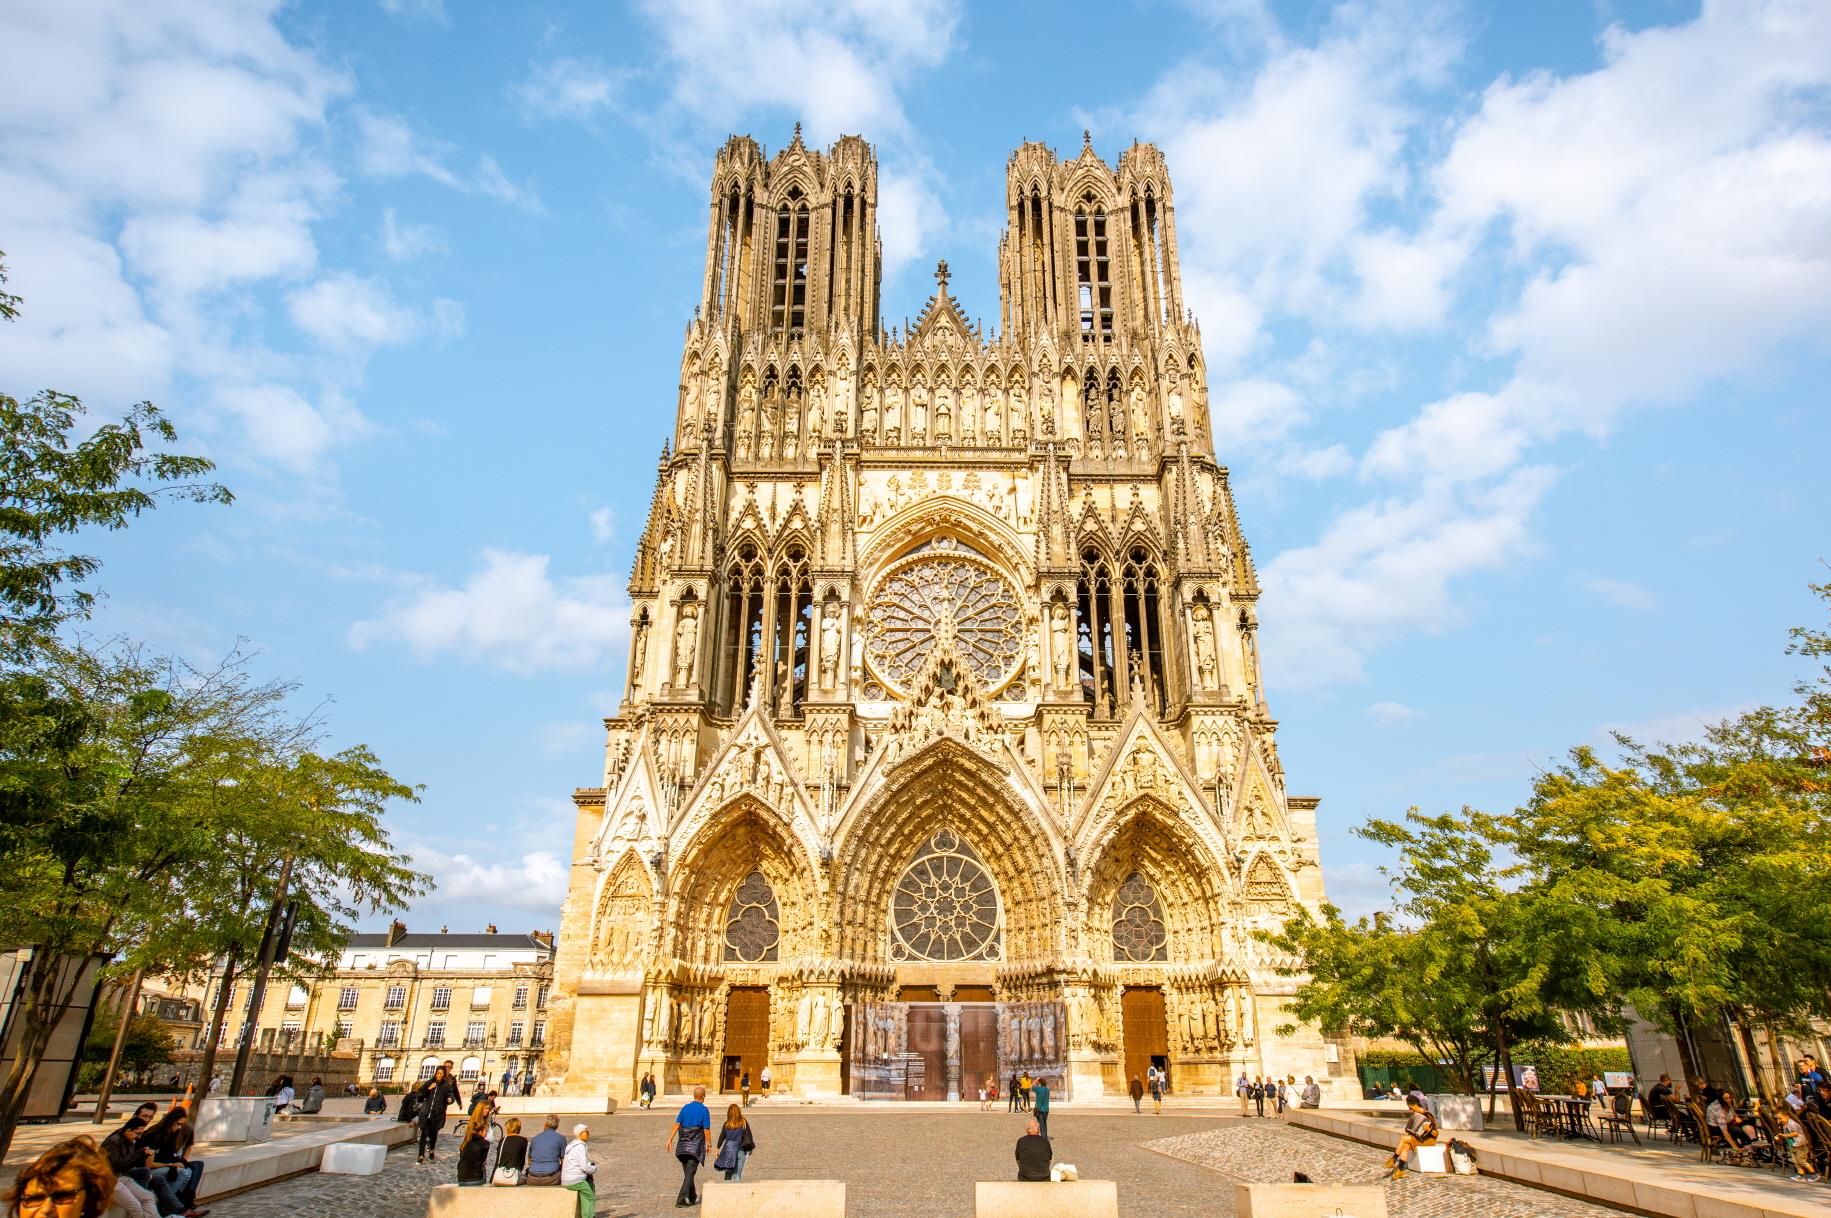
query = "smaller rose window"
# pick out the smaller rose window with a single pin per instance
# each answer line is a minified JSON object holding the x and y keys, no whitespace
{"x":753,"y":925}
{"x":944,"y":906}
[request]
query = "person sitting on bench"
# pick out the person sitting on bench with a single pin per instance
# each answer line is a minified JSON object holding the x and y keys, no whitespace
{"x":1420,"y":1130}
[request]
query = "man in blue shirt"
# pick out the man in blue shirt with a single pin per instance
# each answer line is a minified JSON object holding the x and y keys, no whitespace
{"x":1039,"y":1104}
{"x":692,"y":1128}
{"x":546,"y":1150}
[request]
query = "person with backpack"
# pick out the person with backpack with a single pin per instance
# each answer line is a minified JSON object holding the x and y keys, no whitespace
{"x":1420,"y":1130}
{"x":735,"y":1142}
{"x":1157,"y":1093}
{"x":437,"y":1095}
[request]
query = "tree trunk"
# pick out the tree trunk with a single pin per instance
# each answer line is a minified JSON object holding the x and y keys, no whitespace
{"x":1505,"y":1048}
{"x":1494,"y":1079}
{"x":120,"y":1040}
{"x":269,"y":945}
{"x":207,"y":1066}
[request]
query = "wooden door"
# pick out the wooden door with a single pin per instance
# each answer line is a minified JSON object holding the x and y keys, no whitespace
{"x":747,"y":1029}
{"x":926,"y":1055}
{"x":1145,"y":1033}
{"x":978,"y":1049}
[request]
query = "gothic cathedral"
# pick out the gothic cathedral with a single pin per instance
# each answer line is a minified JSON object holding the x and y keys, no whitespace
{"x":945,"y":751}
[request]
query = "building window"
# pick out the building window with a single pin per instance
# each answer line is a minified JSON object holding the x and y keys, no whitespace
{"x":343,"y":1029}
{"x":1138,"y":933}
{"x":390,"y":1033}
{"x":1093,"y":272}
{"x":296,"y":998}
{"x":788,"y":291}
{"x":397,"y":997}
{"x":540,"y":1034}
{"x":470,"y":1069}
{"x":435,"y":1034}
{"x":384,"y":1069}
{"x":441,"y":998}
{"x":521,"y":998}
{"x":428,"y":1067}
{"x":480,"y":996}
{"x":515,"y":1031}
{"x":540,"y":997}
{"x":346,"y":998}
{"x":752,"y":928}
{"x":944,"y":907}
{"x":473,"y":1032}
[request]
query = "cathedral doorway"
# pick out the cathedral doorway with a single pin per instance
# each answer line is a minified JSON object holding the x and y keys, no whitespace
{"x":978,"y":1048}
{"x":925,"y":1059}
{"x":1147,"y":1040}
{"x":746,"y":1035}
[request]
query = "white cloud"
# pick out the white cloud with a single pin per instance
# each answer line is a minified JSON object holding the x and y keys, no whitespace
{"x":511,"y":613}
{"x":1671,"y":727}
{"x":1623,"y":594}
{"x":391,"y":148}
{"x":419,"y":10}
{"x":567,"y":88}
{"x":283,"y":428}
{"x":1388,"y":713}
{"x":536,"y":882}
{"x":603,"y":524}
{"x":402,"y":241}
{"x":347,"y":310}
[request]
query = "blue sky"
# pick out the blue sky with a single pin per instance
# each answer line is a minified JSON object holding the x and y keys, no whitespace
{"x":1515,"y":317}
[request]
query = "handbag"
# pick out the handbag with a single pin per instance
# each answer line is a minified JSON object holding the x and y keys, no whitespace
{"x":507,"y":1176}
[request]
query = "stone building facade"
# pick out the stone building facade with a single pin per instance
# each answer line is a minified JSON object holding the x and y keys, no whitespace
{"x":945,"y":748}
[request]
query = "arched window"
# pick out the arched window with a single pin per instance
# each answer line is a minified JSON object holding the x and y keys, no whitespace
{"x":428,"y":1066}
{"x":1143,"y":630}
{"x":753,"y":924}
{"x":1138,"y":933}
{"x":384,"y":1069}
{"x":788,"y":291}
{"x":944,"y":906}
{"x":743,"y":621}
{"x":1095,"y":649}
{"x":1092,"y":271}
{"x":794,"y":628}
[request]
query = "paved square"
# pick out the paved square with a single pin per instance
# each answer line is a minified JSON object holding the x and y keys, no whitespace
{"x":923,"y":1164}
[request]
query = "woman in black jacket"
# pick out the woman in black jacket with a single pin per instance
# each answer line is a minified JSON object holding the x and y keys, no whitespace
{"x":436,"y":1095}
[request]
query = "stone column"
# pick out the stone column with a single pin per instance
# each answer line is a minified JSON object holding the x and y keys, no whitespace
{"x":953,"y":1050}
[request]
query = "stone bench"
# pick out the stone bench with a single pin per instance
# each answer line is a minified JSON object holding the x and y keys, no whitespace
{"x":555,"y":1105}
{"x":1064,"y":1199}
{"x":774,"y":1199}
{"x":1309,"y":1200}
{"x":354,"y":1159}
{"x":488,"y":1201}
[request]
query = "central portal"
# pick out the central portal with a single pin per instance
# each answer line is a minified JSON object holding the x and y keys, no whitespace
{"x":1147,"y":1041}
{"x":948,"y":1050}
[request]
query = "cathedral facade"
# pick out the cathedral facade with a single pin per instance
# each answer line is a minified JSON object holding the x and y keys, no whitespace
{"x":945,"y":750}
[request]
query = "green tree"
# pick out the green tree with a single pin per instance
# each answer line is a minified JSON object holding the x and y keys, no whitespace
{"x":148,"y":1044}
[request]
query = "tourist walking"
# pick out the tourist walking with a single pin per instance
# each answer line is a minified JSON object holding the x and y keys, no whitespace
{"x":744,"y":1088}
{"x":1258,"y":1096}
{"x":1039,"y":1100}
{"x":687,"y":1142}
{"x":764,"y":1079}
{"x":1243,"y":1088}
{"x":1157,"y":1090}
{"x":735,"y":1142}
{"x":1024,"y":1083}
{"x":1283,"y":1096}
{"x":1013,"y":1093}
{"x":1137,"y":1091}
{"x":577,"y":1171}
{"x":1034,"y":1154}
{"x":647,"y":1090}
{"x":546,"y":1154}
{"x":436,"y":1096}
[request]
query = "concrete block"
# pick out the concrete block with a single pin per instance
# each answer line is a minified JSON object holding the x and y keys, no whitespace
{"x":561,"y":1105}
{"x":1064,"y":1199}
{"x":242,"y":1118}
{"x":1457,"y":1111}
{"x":488,"y":1201}
{"x":1429,"y":1159}
{"x":1309,"y":1200}
{"x":774,"y":1199}
{"x":353,"y":1159}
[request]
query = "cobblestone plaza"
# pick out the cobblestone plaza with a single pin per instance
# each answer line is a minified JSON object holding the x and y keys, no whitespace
{"x":924,"y":1162}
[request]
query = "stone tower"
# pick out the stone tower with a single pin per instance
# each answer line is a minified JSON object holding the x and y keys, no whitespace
{"x":945,"y":750}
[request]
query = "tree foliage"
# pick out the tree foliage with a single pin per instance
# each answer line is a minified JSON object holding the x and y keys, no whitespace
{"x":148,"y":1044}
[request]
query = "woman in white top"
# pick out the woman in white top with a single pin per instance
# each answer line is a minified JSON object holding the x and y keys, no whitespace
{"x":576,"y":1170}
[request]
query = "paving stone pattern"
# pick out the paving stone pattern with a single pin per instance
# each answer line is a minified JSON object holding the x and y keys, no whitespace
{"x":923,"y":1164}
{"x":1266,"y":1152}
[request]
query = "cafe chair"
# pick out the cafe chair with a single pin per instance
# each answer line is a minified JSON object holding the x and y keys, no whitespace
{"x":1620,"y":1117}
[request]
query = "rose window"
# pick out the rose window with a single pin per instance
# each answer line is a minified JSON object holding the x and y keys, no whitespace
{"x":752,"y":927}
{"x":943,"y":588}
{"x":944,"y":906}
{"x":1138,"y":932}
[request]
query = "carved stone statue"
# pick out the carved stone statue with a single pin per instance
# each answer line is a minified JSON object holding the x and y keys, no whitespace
{"x":893,"y":413}
{"x":918,"y":412}
{"x":829,"y":645}
{"x":639,"y":651}
{"x":1141,"y":422}
{"x":686,"y":641}
{"x":1061,"y":645}
{"x":867,"y":417}
{"x":944,"y":412}
{"x":1202,"y":626}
